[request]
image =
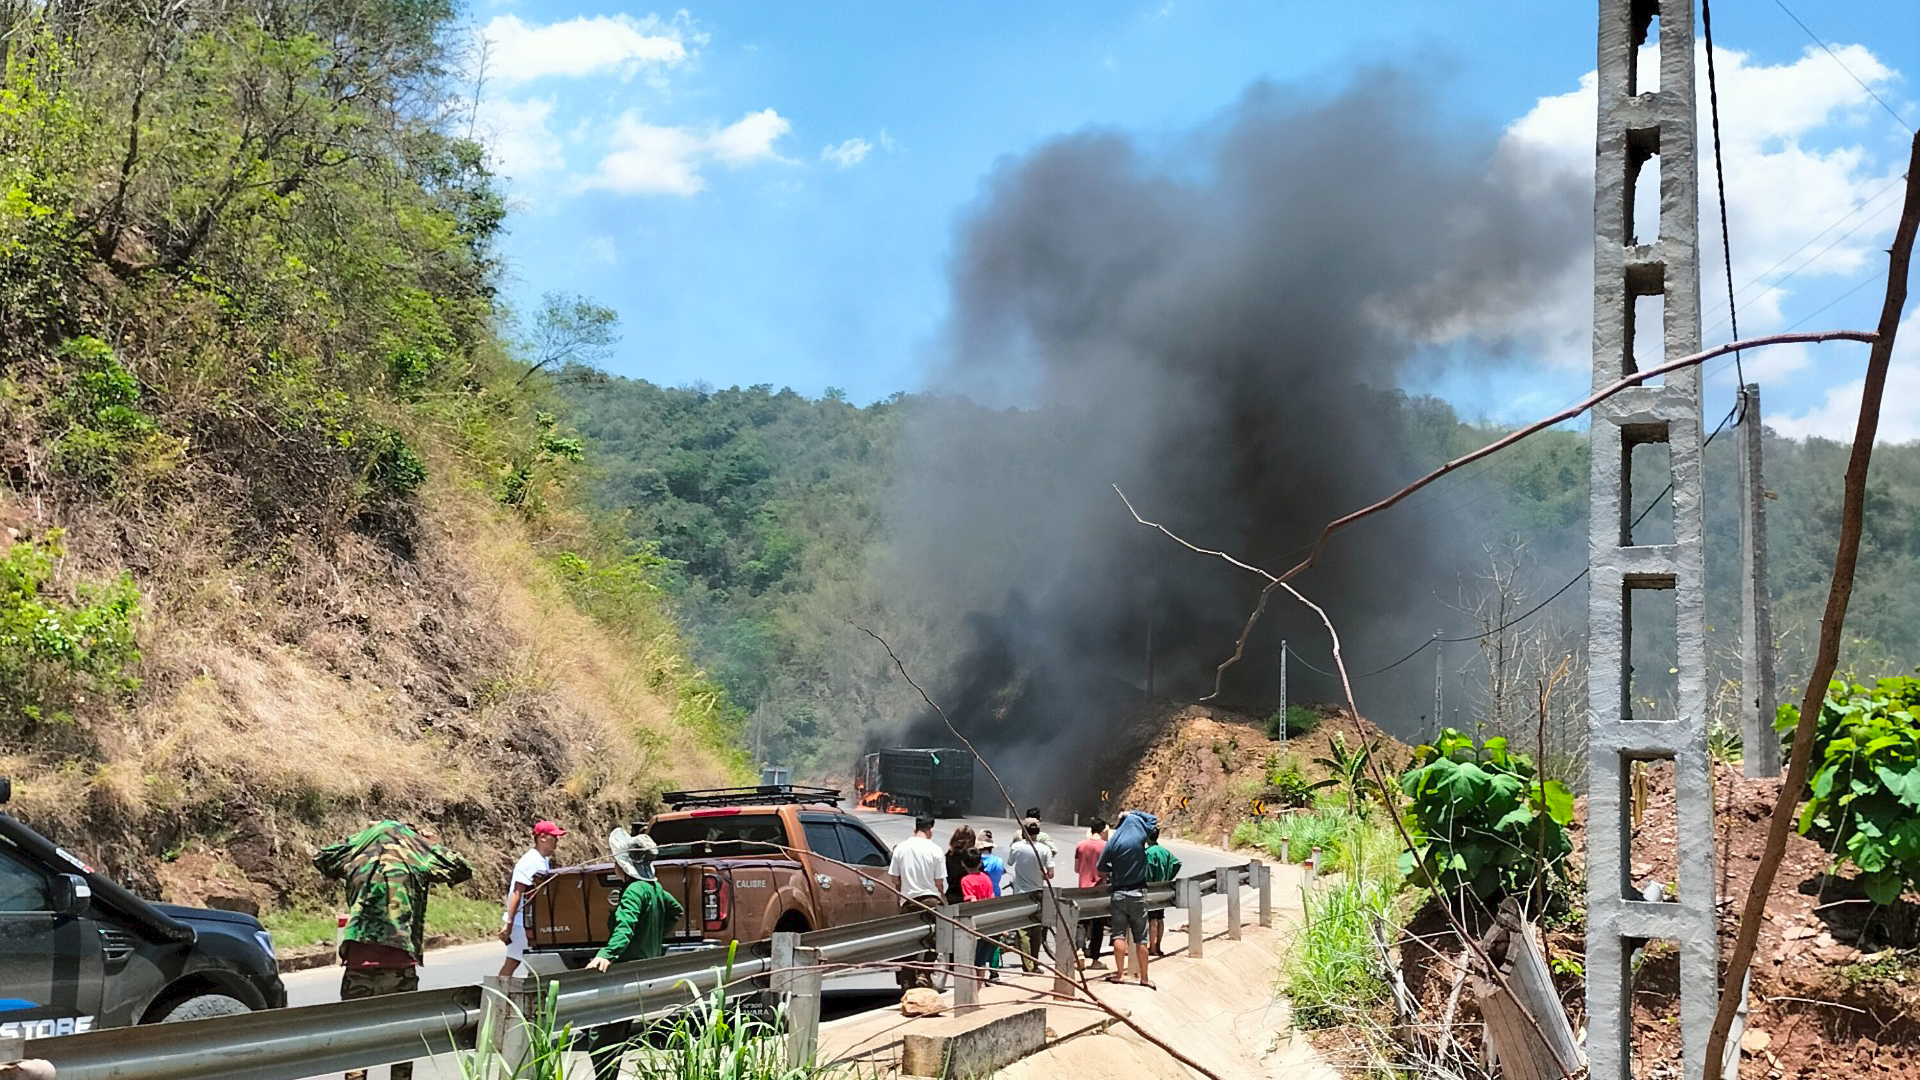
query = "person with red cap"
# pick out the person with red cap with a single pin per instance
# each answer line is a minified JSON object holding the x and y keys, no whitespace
{"x":538,"y":860}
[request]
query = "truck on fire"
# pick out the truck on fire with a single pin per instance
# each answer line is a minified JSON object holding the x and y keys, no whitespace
{"x":936,"y":782}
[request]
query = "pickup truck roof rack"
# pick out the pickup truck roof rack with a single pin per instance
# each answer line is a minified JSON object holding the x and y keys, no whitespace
{"x":760,"y":795}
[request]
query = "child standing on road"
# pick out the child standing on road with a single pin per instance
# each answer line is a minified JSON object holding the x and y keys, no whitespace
{"x":977,"y":886}
{"x":1162,"y":865}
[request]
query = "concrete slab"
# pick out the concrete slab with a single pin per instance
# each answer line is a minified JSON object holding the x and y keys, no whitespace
{"x":971,"y":1048}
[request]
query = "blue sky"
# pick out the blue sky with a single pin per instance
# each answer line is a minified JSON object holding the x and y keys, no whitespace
{"x":769,"y":191}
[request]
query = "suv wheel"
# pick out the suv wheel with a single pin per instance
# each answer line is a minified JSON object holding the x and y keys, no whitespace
{"x":203,"y":1006}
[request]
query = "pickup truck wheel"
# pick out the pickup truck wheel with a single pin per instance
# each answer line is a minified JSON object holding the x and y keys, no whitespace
{"x":204,"y":1006}
{"x":791,"y":923}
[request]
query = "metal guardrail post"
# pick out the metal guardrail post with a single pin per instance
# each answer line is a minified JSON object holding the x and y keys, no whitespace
{"x":966,"y":977}
{"x":505,"y":1011}
{"x":803,"y":1007}
{"x":1063,"y":917}
{"x":1191,"y":897}
{"x":1261,"y":876}
{"x":1227,"y":881}
{"x":797,"y":978}
{"x":946,"y":945}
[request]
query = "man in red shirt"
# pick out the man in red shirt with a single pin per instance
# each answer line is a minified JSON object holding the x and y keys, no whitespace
{"x":1086,"y":863}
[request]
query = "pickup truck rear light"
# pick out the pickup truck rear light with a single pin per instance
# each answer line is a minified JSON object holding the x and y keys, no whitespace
{"x":715,"y":904}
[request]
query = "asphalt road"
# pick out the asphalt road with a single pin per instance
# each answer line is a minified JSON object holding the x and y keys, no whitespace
{"x":463,"y":965}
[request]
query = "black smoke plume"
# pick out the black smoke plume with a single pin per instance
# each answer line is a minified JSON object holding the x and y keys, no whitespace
{"x":1218,"y":324}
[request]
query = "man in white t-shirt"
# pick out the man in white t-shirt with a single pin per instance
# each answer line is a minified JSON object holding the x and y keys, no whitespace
{"x":919,"y":872}
{"x":1030,"y":862}
{"x":538,"y":860}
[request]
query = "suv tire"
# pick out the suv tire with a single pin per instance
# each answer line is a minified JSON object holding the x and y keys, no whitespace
{"x":204,"y":1006}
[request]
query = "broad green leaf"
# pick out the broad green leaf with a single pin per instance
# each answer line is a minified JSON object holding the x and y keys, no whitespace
{"x":1882,"y":888}
{"x":1904,"y":786}
{"x":1559,"y":802}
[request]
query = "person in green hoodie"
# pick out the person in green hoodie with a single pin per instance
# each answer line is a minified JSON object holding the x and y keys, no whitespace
{"x":638,"y":932}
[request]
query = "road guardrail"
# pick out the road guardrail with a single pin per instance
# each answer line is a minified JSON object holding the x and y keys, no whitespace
{"x":289,"y":1044}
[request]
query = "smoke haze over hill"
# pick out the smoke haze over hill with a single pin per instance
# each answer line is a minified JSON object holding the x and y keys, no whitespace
{"x":1217,"y":323}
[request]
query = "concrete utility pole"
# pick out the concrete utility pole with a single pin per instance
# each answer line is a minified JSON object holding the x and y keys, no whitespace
{"x":1439,"y":648}
{"x":1637,"y":129}
{"x":1760,"y":744}
{"x":1283,"y":691}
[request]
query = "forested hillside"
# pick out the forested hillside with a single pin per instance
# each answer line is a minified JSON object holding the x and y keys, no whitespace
{"x":289,"y":541}
{"x":770,"y":515}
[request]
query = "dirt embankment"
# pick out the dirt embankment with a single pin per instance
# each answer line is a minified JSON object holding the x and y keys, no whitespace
{"x":1204,"y":768}
{"x":1836,"y":987}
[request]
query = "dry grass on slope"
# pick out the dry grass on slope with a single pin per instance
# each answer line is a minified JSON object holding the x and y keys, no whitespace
{"x":290,"y":694}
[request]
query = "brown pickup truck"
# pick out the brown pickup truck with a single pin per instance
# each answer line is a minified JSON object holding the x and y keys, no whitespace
{"x":743,"y":862}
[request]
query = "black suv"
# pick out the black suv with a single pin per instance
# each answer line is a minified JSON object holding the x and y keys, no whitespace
{"x":78,"y":952}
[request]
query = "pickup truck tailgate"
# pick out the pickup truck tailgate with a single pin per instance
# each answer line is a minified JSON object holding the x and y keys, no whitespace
{"x":682,"y":881}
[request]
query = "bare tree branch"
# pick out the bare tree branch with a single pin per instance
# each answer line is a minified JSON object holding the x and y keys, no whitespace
{"x":1387,"y":789}
{"x":1494,"y":447}
{"x":1846,"y":557}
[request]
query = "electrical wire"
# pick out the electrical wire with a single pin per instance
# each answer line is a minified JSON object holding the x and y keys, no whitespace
{"x":1535,"y":609}
{"x":1843,"y":66}
{"x":1720,"y":183}
{"x":1868,"y":203}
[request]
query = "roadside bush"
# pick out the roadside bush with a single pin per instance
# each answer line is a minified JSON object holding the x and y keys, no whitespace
{"x":1333,"y":968}
{"x":1293,"y":721}
{"x":1287,"y":786}
{"x":1482,"y":819}
{"x":54,"y":653}
{"x":1341,"y":835}
{"x":1863,"y":796}
{"x":100,"y":433}
{"x":393,"y":470}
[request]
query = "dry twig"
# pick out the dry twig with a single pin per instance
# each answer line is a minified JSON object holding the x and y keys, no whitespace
{"x":1388,"y":790}
{"x":1827,"y":657}
{"x":1494,"y":447}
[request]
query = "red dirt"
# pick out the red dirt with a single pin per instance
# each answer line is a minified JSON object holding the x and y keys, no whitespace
{"x":1203,"y":766}
{"x":1836,"y":983}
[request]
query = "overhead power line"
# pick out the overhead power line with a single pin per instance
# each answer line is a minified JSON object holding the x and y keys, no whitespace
{"x":1720,"y":183}
{"x":1530,"y":612}
{"x":1897,"y":118}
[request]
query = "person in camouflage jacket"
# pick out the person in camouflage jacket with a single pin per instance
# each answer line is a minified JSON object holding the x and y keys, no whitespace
{"x":387,"y":867}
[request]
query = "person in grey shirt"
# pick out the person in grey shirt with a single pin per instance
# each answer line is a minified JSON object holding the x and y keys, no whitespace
{"x":1030,"y":862}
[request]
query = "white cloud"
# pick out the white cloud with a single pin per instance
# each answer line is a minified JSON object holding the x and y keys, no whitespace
{"x":749,"y":139}
{"x":847,"y":154}
{"x":518,"y":51}
{"x":649,"y":159}
{"x":602,"y":249}
{"x":519,"y":142}
{"x":1782,"y":190}
{"x":1837,"y":415}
